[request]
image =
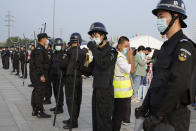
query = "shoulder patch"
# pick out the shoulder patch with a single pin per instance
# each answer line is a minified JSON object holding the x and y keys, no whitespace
{"x":184,"y":55}
{"x":64,"y":55}
{"x":184,"y":40}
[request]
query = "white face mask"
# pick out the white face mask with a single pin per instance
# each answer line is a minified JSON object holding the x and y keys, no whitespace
{"x":47,"y":42}
{"x":58,"y":48}
{"x":142,"y":55}
{"x":97,"y":40}
{"x":162,"y":24}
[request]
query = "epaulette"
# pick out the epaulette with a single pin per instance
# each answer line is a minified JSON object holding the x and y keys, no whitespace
{"x":184,"y":40}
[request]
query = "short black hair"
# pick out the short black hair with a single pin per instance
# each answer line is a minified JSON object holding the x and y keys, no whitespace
{"x":140,"y":48}
{"x":122,"y":39}
{"x":148,"y":49}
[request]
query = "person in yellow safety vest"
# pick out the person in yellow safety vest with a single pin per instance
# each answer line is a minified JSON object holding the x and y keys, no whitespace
{"x":122,"y":83}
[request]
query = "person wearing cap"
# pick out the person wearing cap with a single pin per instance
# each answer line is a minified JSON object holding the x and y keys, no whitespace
{"x":2,"y":57}
{"x":73,"y":76}
{"x":12,"y":57}
{"x":16,"y":59}
{"x":171,"y":87}
{"x":32,"y":48}
{"x":48,"y":92}
{"x":6,"y":58}
{"x":102,"y":69}
{"x":23,"y":61}
{"x":56,"y":75}
{"x":40,"y":63}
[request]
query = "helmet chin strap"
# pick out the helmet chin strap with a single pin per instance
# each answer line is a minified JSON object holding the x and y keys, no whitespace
{"x":170,"y":24}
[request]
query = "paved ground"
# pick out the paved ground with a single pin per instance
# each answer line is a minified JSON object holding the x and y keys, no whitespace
{"x":15,"y":109}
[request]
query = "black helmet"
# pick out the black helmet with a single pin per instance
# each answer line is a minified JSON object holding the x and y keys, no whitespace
{"x":58,"y":41}
{"x":75,"y":37}
{"x":175,"y":6}
{"x":32,"y":43}
{"x":97,"y":27}
{"x":50,"y":42}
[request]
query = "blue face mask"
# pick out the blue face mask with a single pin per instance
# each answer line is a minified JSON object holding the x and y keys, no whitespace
{"x":142,"y":55}
{"x":124,"y":51}
{"x":162,"y":24}
{"x":47,"y":42}
{"x":58,"y":48}
{"x":97,"y":40}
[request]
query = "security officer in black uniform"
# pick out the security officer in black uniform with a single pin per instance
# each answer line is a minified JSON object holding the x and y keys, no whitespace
{"x":48,"y":91}
{"x":56,"y":75}
{"x":40,"y":61}
{"x":12,"y":56}
{"x":32,"y":48}
{"x":102,"y":69}
{"x":6,"y":57}
{"x":2,"y":57}
{"x":16,"y":59}
{"x":170,"y":89}
{"x":75,"y":58}
{"x":23,"y":60}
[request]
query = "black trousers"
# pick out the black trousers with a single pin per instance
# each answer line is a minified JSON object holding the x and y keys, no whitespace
{"x":48,"y":91}
{"x":6,"y":63}
{"x":37,"y":96}
{"x":24,"y":69}
{"x":3,"y":61}
{"x":69,"y":84}
{"x":127,"y":117}
{"x":102,"y":109}
{"x":15,"y":65}
{"x":121,"y":108}
{"x":55,"y":86}
{"x":180,"y":119}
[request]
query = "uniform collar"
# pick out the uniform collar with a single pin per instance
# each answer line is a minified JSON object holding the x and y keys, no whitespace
{"x":105,"y":47}
{"x":171,"y":44}
{"x":41,"y":46}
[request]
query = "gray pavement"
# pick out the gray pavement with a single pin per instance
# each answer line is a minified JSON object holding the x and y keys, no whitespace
{"x":15,"y":108}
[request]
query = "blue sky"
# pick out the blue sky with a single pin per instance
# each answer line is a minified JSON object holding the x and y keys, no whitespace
{"x":121,"y":17}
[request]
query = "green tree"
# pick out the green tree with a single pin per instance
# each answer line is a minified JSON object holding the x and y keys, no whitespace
{"x":12,"y":40}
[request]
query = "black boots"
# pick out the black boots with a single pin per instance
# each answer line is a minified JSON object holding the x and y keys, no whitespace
{"x":41,"y":114}
{"x":68,"y":125}
{"x":34,"y":113}
{"x":59,"y":110}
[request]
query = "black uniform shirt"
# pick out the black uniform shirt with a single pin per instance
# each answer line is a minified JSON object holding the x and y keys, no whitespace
{"x":173,"y":74}
{"x":102,"y":66}
{"x":40,"y":61}
{"x":56,"y":61}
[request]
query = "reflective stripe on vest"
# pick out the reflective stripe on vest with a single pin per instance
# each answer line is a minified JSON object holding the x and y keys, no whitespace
{"x":122,"y":84}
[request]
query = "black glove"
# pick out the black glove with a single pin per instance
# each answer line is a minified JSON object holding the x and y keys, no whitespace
{"x":151,"y":122}
{"x":141,"y":112}
{"x":91,"y":45}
